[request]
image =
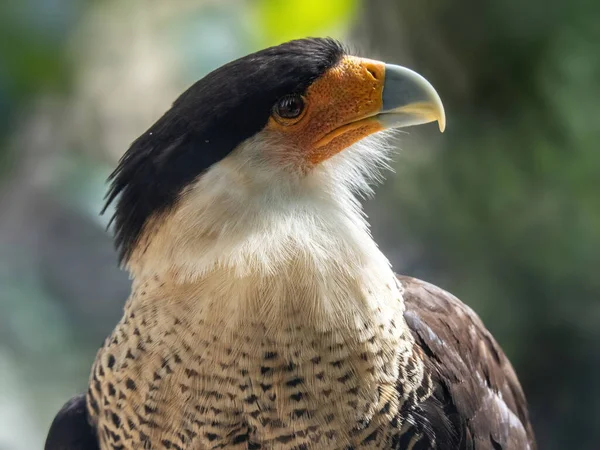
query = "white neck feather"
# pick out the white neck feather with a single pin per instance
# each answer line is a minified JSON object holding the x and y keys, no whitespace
{"x":265,"y":241}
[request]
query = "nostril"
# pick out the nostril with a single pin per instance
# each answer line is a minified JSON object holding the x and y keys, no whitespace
{"x":373,"y":72}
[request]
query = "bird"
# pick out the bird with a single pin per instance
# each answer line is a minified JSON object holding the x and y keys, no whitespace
{"x":262,"y":314}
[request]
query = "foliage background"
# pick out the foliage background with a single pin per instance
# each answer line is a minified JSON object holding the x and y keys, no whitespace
{"x":501,"y":210}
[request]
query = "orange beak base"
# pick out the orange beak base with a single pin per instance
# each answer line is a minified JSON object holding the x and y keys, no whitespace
{"x":355,"y":99}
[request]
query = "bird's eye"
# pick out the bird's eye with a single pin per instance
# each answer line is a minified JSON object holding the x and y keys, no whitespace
{"x":289,"y":106}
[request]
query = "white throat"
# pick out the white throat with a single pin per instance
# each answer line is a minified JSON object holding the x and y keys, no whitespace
{"x":257,"y":240}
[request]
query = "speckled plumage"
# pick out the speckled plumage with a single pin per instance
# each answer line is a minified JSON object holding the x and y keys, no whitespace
{"x":159,"y":386}
{"x":186,"y":379}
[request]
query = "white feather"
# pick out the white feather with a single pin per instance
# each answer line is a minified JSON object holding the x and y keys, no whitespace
{"x":292,"y":235}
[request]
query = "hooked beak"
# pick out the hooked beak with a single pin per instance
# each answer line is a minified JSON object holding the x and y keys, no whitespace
{"x":409,"y":99}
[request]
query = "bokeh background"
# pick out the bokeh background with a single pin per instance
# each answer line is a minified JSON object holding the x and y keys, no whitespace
{"x":503,"y":209}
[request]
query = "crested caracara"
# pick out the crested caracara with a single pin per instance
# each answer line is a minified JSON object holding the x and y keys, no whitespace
{"x":262,"y":314}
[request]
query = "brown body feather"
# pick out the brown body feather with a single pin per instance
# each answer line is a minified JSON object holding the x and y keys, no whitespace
{"x":477,"y":402}
{"x":456,"y":390}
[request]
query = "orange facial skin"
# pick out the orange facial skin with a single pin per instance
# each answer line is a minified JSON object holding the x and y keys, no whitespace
{"x":339,"y":109}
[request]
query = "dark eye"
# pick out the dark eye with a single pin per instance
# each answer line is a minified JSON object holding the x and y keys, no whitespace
{"x":289,"y":107}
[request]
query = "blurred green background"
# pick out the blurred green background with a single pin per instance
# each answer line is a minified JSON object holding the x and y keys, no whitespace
{"x":503,"y":209}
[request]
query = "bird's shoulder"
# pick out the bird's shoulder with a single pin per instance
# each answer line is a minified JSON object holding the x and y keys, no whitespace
{"x":477,"y":400}
{"x":70,"y":429}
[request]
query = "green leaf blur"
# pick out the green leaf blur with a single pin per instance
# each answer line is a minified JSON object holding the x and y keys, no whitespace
{"x":281,"y":21}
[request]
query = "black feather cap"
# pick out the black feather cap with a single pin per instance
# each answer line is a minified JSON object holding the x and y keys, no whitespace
{"x":204,"y":125}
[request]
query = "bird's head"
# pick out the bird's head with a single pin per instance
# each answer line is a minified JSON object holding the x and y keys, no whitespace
{"x":263,"y":140}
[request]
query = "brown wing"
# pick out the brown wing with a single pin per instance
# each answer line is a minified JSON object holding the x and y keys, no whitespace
{"x":477,"y":402}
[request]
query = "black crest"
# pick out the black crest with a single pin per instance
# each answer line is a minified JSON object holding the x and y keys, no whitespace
{"x":204,"y":125}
